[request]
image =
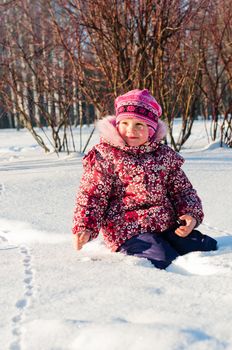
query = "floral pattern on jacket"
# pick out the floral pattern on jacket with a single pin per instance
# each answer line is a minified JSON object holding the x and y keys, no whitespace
{"x":126,"y":190}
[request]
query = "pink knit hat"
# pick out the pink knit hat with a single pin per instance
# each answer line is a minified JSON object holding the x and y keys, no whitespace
{"x":138,"y":104}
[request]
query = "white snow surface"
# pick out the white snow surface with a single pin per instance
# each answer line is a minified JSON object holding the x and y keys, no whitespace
{"x":54,"y":298}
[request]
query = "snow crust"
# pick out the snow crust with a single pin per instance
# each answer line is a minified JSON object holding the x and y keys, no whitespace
{"x":54,"y":298}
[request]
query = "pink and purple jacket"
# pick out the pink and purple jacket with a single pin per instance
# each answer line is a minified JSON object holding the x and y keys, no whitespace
{"x":126,"y":190}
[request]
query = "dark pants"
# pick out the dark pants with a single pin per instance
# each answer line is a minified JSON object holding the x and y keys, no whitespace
{"x":162,"y":248}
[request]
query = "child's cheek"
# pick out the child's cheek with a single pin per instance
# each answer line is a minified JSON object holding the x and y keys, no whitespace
{"x":143,"y":134}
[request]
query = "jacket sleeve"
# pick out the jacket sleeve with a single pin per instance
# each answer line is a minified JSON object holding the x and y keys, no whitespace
{"x":93,"y":194}
{"x":182,"y":194}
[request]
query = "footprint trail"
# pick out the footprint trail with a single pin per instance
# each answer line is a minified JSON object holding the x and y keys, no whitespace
{"x":24,"y":302}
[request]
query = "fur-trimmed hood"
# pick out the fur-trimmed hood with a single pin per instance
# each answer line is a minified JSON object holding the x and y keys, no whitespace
{"x":108,"y":131}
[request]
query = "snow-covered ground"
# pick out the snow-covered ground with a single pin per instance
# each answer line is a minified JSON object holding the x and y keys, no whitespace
{"x":54,"y":298}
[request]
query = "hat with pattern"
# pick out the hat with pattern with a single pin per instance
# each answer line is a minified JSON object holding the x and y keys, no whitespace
{"x":138,"y":104}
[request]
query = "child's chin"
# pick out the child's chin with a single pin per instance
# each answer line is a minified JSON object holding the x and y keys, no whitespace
{"x":134,"y":144}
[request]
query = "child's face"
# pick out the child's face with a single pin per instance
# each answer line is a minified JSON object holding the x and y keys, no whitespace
{"x":133,"y":131}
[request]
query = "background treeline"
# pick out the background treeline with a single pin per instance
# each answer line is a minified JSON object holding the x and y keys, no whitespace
{"x":63,"y":62}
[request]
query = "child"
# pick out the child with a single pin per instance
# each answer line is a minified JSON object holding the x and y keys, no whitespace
{"x":134,"y":191}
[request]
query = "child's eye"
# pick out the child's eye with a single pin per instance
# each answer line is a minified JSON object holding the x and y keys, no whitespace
{"x":140,"y":125}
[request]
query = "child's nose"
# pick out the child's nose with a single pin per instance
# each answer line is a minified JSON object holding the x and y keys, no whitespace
{"x":131,"y":128}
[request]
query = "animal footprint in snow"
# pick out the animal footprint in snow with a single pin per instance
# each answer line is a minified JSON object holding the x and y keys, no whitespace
{"x":21,"y":304}
{"x":24,"y":303}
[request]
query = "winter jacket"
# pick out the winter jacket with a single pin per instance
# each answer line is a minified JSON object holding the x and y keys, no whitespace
{"x":126,"y":190}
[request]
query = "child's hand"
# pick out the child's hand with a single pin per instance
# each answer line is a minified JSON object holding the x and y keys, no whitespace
{"x":80,"y":240}
{"x":184,"y":231}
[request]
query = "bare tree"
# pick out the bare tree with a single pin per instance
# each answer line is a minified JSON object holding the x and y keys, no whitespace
{"x":216,"y":67}
{"x":121,"y":45}
{"x":179,"y":91}
{"x":38,"y":84}
{"x":56,"y":56}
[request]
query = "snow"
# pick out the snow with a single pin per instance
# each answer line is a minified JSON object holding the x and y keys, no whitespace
{"x":54,"y":298}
